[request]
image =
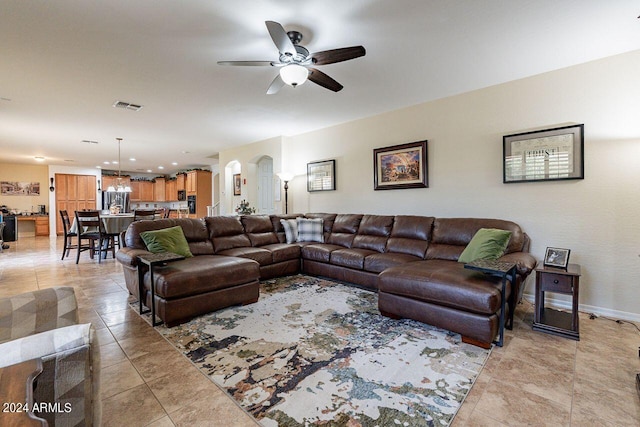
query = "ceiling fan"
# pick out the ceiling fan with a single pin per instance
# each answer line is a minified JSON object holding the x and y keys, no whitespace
{"x":296,"y":63}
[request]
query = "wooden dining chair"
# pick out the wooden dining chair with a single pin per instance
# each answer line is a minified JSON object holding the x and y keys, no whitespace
{"x":91,"y":229}
{"x":140,"y":214}
{"x":68,"y":234}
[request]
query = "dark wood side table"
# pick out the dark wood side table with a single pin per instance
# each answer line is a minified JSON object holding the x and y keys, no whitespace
{"x":506,"y":271}
{"x":151,"y":261}
{"x":16,"y":391}
{"x":559,"y":280}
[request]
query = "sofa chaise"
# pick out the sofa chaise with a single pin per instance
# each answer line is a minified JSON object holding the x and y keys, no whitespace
{"x":410,"y":260}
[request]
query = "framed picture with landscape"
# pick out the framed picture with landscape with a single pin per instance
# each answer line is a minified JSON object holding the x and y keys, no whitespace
{"x":400,"y":166}
{"x":321,"y":176}
{"x":545,"y":155}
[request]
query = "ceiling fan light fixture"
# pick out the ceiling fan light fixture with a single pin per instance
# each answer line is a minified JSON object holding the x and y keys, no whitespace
{"x":294,"y":74}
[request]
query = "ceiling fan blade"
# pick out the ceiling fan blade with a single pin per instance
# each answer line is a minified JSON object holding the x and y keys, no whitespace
{"x":275,"y":85}
{"x":246,"y":63}
{"x":337,"y":55}
{"x":280,"y":38}
{"x":320,"y":78}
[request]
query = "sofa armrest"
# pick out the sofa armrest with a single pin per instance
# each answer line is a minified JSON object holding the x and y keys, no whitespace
{"x":525,"y":262}
{"x":129,"y":256}
{"x":38,"y":311}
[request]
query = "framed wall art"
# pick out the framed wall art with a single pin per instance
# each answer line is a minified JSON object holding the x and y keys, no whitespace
{"x":400,"y":166}
{"x":237,"y":184}
{"x":545,"y":155}
{"x":15,"y":188}
{"x":321,"y":176}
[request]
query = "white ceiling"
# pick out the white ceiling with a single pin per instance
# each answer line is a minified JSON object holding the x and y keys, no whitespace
{"x":63,"y":64}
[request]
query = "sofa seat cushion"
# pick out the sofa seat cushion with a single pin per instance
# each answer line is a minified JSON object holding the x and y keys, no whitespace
{"x":282,"y":252}
{"x":377,"y":263}
{"x":262,"y":256}
{"x":200,"y":274}
{"x":320,"y":252}
{"x":351,"y":258}
{"x":444,"y":283}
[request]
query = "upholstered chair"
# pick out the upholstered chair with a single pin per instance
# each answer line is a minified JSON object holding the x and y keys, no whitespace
{"x":44,"y":324}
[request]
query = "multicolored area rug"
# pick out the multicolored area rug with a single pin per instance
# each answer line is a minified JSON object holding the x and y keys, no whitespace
{"x":314,"y":352}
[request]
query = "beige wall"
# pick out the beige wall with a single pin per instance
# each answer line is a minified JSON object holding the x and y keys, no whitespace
{"x":25,"y":173}
{"x":598,"y":218}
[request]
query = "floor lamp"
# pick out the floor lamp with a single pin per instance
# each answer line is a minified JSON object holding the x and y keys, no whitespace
{"x":286,"y":177}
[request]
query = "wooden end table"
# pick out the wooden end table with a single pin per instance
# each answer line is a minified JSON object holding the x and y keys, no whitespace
{"x":563,"y":281}
{"x":505,"y":271}
{"x":151,"y":261}
{"x":16,"y":389}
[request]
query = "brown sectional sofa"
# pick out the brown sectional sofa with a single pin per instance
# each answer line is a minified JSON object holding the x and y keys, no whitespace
{"x":410,"y":260}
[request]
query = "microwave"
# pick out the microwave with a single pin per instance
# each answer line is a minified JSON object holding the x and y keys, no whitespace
{"x":182,"y":195}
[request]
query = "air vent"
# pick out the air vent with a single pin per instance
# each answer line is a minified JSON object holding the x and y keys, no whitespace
{"x":88,"y":141}
{"x":127,"y":105}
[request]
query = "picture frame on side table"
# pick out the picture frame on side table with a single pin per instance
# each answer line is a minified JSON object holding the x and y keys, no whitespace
{"x":400,"y":166}
{"x":321,"y":176}
{"x":545,"y":155}
{"x":557,"y":257}
{"x":237,"y":185}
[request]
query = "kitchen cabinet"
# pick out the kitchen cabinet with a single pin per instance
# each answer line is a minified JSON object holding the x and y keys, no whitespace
{"x":171,"y":190}
{"x":73,"y":192}
{"x":159,"y":190}
{"x":198,"y":184}
{"x":180,"y":181}
{"x":112,"y":181}
{"x":141,"y":191}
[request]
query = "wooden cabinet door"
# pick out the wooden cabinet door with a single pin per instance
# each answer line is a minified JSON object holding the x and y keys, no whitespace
{"x":171,"y":191}
{"x":146,"y":191}
{"x":180,"y":182}
{"x":135,"y":191}
{"x":191,"y":182}
{"x":159,"y":190}
{"x":74,"y":192}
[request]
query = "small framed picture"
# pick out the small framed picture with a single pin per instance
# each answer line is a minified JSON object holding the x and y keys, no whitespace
{"x":321,"y":176}
{"x":237,"y":182}
{"x":557,"y":257}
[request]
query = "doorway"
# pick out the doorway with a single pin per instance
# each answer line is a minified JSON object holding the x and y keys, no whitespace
{"x":265,"y":186}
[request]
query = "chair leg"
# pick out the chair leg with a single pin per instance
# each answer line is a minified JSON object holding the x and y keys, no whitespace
{"x":64,"y":248}
{"x":79,"y":248}
{"x":100,"y":241}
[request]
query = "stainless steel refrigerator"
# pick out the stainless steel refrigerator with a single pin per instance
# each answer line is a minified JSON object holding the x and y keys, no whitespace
{"x":118,"y":198}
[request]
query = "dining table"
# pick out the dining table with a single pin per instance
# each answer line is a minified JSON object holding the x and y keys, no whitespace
{"x":113,"y":223}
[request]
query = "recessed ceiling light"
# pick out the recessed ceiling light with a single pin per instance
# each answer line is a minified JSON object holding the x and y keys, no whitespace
{"x":105,"y":163}
{"x":149,"y":170}
{"x":39,"y":158}
{"x":160,"y":167}
{"x":174,"y":163}
{"x":132,"y":159}
{"x":185,"y":152}
{"x":115,"y":162}
{"x":99,"y":167}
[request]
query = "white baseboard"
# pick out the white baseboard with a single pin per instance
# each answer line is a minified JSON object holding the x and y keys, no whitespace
{"x":598,"y":311}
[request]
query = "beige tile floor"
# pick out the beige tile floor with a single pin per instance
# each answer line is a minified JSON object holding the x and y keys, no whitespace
{"x":535,"y":379}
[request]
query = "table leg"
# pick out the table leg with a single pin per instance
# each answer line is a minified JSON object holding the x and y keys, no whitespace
{"x":140,"y":289}
{"x":153,"y":298}
{"x":502,"y":308}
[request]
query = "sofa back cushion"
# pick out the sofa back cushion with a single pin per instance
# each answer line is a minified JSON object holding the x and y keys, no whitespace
{"x":226,"y":232}
{"x":259,"y":229}
{"x":452,"y":235}
{"x":344,"y":229}
{"x":195,"y":231}
{"x":373,"y":232}
{"x":410,"y":235}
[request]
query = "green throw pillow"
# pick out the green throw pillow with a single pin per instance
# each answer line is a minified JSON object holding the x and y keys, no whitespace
{"x":167,"y":240}
{"x":488,"y":243}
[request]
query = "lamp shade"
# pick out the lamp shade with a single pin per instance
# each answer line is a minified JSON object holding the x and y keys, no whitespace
{"x":285,"y":176}
{"x":294,"y":74}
